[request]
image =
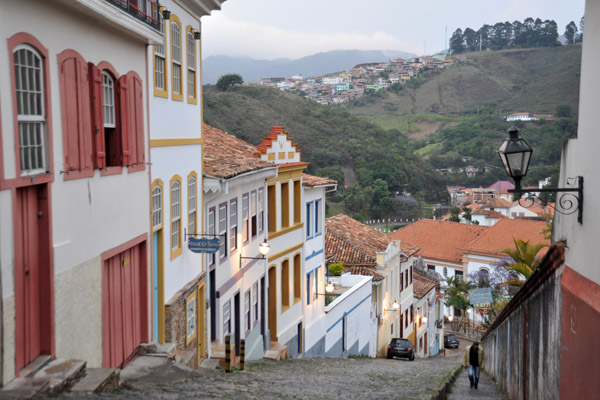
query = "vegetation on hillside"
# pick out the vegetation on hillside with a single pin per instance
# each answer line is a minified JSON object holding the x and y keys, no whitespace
{"x":328,"y":137}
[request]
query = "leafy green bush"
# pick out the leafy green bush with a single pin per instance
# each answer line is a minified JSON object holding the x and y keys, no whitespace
{"x":336,"y":269}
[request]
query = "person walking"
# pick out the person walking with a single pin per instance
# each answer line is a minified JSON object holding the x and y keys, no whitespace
{"x":474,"y":362}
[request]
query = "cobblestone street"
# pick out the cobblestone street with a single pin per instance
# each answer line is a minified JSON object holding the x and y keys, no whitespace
{"x":362,"y":378}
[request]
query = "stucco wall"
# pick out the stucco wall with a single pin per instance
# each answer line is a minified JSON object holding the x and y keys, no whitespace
{"x":78,"y":313}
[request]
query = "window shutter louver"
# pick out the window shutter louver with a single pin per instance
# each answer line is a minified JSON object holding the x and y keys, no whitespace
{"x":95,"y":81}
{"x":136,"y":120}
{"x":76,"y":119}
{"x":124,"y":121}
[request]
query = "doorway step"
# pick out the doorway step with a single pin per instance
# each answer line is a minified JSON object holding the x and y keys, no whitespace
{"x":217,"y":352}
{"x":277,"y":352}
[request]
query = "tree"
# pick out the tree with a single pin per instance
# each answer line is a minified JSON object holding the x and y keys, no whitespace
{"x":471,"y":39}
{"x":456,"y":42}
{"x":457,"y":295}
{"x":523,"y":259}
{"x":563,"y":111}
{"x":466,"y":213}
{"x":228,"y":81}
{"x":334,"y":173}
{"x":454,"y":214}
{"x":570,"y":32}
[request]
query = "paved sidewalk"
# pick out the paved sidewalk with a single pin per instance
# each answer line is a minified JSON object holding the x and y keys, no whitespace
{"x":485,"y":389}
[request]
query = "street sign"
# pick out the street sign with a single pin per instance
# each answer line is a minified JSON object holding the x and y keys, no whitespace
{"x":208,"y":246}
{"x":479,"y":296}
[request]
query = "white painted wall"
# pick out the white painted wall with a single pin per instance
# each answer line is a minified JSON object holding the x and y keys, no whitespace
{"x":580,"y":157}
{"x":90,"y":215}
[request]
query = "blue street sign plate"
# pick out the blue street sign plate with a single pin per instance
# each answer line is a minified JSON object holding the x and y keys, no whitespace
{"x":480,"y":296}
{"x":208,"y":246}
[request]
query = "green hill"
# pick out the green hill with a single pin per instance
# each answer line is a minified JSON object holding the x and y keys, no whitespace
{"x":525,"y":80}
{"x":327,"y":136}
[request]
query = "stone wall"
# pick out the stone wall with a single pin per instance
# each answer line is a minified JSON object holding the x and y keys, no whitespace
{"x":176,"y":321}
{"x":523,"y":345}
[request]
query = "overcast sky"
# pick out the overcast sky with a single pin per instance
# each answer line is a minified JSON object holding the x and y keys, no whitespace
{"x":268,"y":29}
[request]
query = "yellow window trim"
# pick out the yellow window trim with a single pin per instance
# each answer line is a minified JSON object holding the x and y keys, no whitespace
{"x":174,"y":142}
{"x":161,"y":92}
{"x":158,"y":182}
{"x":285,"y":252}
{"x":175,"y":252}
{"x":190,"y":298}
{"x":195,"y":175}
{"x":273,"y":235}
{"x":191,"y":99}
{"x":286,"y":173}
{"x":176,"y":96}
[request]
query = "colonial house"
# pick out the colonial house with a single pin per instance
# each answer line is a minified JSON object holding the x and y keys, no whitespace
{"x":74,"y":181}
{"x":234,"y":185}
{"x":428,"y":321}
{"x":365,"y":251}
{"x":483,"y":217}
{"x":175,"y":117}
{"x":285,"y":233}
{"x":497,"y":204}
{"x":520,"y":116}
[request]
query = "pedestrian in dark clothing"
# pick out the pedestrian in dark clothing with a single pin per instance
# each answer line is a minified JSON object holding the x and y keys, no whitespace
{"x":474,"y":362}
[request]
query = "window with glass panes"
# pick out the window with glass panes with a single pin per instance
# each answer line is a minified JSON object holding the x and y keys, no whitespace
{"x":191,"y":317}
{"x":175,"y":215}
{"x":192,"y":204}
{"x":156,"y":207}
{"x":211,"y":232}
{"x":261,"y":210}
{"x":245,"y":211}
{"x":226,"y":319}
{"x":223,"y":230}
{"x":31,"y":119}
{"x":255,"y":300}
{"x":253,"y":213}
{"x":317,"y":217}
{"x":159,"y":59}
{"x":108,"y":100}
{"x":176,"y":56}
{"x":191,"y":65}
{"x":233,"y":225}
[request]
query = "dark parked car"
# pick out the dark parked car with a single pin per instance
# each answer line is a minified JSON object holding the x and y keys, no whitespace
{"x":451,"y":341}
{"x":400,"y":348}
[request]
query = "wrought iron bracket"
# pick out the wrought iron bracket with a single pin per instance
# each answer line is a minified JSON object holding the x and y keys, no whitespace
{"x":570,"y":201}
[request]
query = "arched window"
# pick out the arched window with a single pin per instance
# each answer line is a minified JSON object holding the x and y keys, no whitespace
{"x":29,"y":86}
{"x":191,"y":67}
{"x":192,"y":204}
{"x":175,"y":216}
{"x":108,"y":100}
{"x":176,"y":58}
{"x":157,"y":207}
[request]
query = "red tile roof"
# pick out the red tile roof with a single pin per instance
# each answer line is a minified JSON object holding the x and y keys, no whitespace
{"x":365,"y":271}
{"x":488,"y":213}
{"x":439,"y":240}
{"x":312,"y":181}
{"x":226,"y":156}
{"x":422,"y":285}
{"x":500,"y":236}
{"x":268,"y":141}
{"x":351,"y":242}
{"x":502,"y":185}
{"x":497,"y":202}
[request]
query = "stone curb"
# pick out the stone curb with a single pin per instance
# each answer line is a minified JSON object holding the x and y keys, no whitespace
{"x":445,"y":387}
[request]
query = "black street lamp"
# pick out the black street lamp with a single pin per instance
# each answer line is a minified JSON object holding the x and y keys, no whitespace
{"x":263,"y":249}
{"x":515,"y":154}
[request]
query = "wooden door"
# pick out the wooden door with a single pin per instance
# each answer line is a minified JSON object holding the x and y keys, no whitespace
{"x":273,"y":303}
{"x":33,"y":282}
{"x":201,"y":321}
{"x":123,"y":306}
{"x":155,"y":283}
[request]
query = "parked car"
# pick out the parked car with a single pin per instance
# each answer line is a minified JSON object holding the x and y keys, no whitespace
{"x":400,"y":348}
{"x":451,"y":341}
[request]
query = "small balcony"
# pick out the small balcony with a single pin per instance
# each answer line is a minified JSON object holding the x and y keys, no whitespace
{"x":145,"y":11}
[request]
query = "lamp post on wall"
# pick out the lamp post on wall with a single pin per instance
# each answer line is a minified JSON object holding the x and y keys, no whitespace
{"x":515,"y":154}
{"x":263,"y":249}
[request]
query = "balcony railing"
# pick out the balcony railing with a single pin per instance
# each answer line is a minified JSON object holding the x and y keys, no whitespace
{"x":145,"y":11}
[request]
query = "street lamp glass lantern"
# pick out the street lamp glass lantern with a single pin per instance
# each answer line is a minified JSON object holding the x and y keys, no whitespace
{"x":329,"y":287}
{"x":515,"y":154}
{"x":264,"y":248}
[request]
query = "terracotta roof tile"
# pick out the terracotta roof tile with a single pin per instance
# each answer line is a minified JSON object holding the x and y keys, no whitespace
{"x":312,"y":181}
{"x":226,"y":156}
{"x":497,"y":202}
{"x":422,"y":285}
{"x":489,"y":213}
{"x":351,"y":242}
{"x":500,"y":236}
{"x":502,"y":185}
{"x":439,"y":240}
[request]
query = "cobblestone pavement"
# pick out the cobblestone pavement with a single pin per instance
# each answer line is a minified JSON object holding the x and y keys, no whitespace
{"x":319,"y":378}
{"x":485,"y":389}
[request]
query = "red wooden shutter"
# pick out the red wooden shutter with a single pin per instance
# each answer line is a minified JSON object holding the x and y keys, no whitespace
{"x":124,"y":121}
{"x":70,"y":123}
{"x":97,"y":116}
{"x":85,"y":117}
{"x":136,"y":119}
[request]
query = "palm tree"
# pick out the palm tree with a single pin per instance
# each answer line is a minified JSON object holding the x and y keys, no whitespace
{"x":523,"y":261}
